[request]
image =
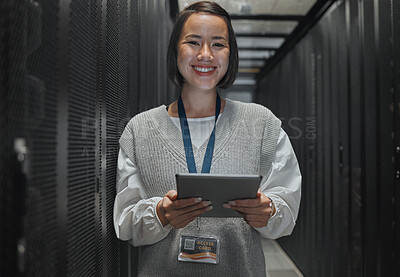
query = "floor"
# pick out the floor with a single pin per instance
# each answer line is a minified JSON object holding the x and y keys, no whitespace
{"x":278,"y":264}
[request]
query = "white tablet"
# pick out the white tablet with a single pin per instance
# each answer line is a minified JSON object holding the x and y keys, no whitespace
{"x":219,"y":189}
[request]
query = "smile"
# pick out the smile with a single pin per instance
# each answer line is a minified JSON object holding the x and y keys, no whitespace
{"x":204,"y":69}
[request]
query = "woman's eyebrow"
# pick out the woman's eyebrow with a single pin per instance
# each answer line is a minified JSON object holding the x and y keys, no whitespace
{"x":219,"y":37}
{"x":193,"y":36}
{"x":199,"y":37}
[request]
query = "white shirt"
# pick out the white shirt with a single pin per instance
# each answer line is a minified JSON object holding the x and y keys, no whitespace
{"x":200,"y":128}
{"x":135,"y":216}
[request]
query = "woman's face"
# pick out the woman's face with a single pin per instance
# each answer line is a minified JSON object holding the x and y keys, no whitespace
{"x":203,"y":51}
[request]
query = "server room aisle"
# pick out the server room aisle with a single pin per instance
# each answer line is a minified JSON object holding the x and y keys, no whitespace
{"x":278,"y":264}
{"x":74,"y":72}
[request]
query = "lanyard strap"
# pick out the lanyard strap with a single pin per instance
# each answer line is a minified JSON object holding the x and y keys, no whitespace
{"x":187,"y":141}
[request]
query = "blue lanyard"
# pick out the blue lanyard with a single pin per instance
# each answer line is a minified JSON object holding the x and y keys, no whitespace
{"x":187,"y":141}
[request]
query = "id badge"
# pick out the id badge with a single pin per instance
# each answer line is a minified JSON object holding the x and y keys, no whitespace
{"x":199,"y":249}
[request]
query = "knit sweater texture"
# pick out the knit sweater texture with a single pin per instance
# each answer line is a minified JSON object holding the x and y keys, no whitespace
{"x":245,"y":143}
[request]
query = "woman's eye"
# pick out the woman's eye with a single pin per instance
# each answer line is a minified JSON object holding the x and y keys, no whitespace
{"x":193,"y":42}
{"x":218,"y":45}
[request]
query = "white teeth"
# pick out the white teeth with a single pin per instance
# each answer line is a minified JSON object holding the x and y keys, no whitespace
{"x":203,"y":69}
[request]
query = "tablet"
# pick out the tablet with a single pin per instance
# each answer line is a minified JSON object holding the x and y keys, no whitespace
{"x":217,"y":188}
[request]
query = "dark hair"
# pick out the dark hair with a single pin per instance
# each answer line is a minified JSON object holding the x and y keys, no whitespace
{"x":172,"y":55}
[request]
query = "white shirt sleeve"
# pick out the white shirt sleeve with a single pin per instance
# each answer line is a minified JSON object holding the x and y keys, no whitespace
{"x":283,"y":186}
{"x":135,"y":216}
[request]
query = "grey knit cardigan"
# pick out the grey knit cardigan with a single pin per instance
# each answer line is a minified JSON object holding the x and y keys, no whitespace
{"x":245,"y":143}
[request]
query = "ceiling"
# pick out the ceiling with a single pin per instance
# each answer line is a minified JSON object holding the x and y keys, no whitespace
{"x":267,"y":29}
{"x":260,"y":6}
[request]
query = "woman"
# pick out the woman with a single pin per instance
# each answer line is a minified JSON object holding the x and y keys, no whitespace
{"x":248,"y":139}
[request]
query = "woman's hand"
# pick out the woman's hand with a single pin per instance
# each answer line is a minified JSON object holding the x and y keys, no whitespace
{"x":179,"y":213}
{"x":256,"y":212}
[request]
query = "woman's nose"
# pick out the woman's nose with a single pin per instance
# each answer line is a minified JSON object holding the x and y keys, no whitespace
{"x":205,"y":53}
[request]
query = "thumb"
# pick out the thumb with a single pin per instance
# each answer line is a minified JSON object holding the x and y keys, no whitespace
{"x":172,"y":195}
{"x":259,"y":193}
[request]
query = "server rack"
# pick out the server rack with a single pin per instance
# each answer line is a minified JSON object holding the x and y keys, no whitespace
{"x":343,"y":90}
{"x":71,"y":72}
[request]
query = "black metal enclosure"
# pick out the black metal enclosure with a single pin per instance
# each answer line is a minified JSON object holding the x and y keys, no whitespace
{"x":337,"y":92}
{"x":71,"y":73}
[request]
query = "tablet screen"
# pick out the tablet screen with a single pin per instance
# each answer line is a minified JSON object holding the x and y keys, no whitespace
{"x":219,"y":189}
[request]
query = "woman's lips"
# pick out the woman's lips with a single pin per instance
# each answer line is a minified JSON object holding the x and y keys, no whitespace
{"x":203,"y":70}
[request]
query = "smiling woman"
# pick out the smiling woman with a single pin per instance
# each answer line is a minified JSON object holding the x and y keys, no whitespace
{"x":200,"y":131}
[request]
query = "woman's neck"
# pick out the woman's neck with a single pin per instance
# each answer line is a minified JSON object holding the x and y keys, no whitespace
{"x":197,"y":104}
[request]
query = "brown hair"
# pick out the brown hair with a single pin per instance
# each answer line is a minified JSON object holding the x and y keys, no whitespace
{"x":172,"y":54}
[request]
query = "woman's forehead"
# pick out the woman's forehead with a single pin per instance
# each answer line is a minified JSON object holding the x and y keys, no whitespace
{"x":205,"y":24}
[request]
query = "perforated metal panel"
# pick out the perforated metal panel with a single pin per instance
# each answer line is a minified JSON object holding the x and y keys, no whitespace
{"x":40,"y":87}
{"x":28,"y":119}
{"x":129,"y":261}
{"x":134,"y":57}
{"x":116,"y":96}
{"x":82,"y":72}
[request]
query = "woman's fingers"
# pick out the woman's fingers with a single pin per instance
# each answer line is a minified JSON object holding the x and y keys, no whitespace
{"x":186,"y":209}
{"x":184,"y":219}
{"x":178,"y":203}
{"x":256,"y":212}
{"x":180,"y":212}
{"x":256,"y":221}
{"x":253,"y":203}
{"x":260,"y":201}
{"x":182,"y":203}
{"x":255,"y":218}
